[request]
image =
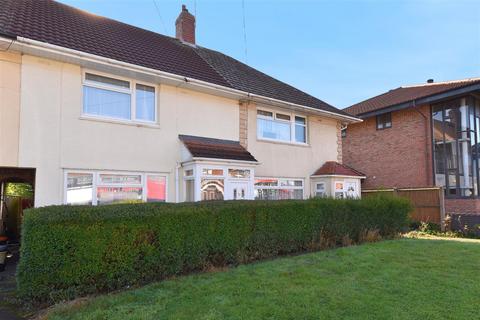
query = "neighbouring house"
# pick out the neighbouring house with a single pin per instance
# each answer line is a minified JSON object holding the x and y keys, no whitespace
{"x":420,"y":136}
{"x":95,"y":111}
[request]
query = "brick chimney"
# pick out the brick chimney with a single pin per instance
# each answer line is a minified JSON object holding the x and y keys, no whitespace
{"x":185,"y":26}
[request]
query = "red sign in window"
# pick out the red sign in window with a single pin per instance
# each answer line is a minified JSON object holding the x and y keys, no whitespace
{"x":156,"y":188}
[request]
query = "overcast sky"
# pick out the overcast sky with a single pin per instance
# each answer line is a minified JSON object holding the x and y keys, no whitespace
{"x":339,"y":51}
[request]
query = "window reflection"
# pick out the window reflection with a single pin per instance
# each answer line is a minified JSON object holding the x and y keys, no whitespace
{"x":455,"y":140}
{"x":212,"y":189}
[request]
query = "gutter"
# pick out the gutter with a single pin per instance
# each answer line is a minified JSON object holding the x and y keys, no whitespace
{"x":336,"y":176}
{"x":23,"y":42}
{"x":217,"y":160}
{"x":421,"y":101}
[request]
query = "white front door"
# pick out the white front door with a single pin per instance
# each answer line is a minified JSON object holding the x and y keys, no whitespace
{"x":238,"y":190}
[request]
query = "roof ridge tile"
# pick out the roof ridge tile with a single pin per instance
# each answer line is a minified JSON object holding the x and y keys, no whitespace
{"x":62,"y":25}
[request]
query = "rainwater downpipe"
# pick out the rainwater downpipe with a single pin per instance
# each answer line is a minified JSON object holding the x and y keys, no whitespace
{"x":425,"y":118}
{"x":177,"y":196}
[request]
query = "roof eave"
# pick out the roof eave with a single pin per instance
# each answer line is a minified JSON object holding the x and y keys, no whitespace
{"x":64,"y":54}
{"x":420,"y":101}
{"x":337,"y":176}
{"x":216,"y":160}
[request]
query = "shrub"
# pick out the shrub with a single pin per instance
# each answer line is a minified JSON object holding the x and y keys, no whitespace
{"x":69,"y":251}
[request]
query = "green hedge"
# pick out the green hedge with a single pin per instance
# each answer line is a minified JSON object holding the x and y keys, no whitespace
{"x":69,"y":251}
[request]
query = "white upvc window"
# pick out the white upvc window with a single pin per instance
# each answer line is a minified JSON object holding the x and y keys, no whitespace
{"x":281,"y":126}
{"x":217,"y":181}
{"x":101,"y":187}
{"x":112,"y":97}
{"x":320,"y":190}
{"x":339,"y":190}
{"x":278,"y":188}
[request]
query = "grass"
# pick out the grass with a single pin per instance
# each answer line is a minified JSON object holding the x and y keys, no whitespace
{"x":397,"y":279}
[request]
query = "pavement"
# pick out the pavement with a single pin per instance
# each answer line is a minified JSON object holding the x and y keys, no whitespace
{"x":8,"y":308}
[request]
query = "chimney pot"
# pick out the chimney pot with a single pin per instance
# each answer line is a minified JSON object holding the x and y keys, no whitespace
{"x":185,"y":26}
{"x":430,"y":81}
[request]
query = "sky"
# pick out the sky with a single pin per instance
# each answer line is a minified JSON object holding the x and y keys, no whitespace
{"x":339,"y":51}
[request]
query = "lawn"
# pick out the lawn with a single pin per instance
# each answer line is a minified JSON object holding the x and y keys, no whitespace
{"x":398,"y":279}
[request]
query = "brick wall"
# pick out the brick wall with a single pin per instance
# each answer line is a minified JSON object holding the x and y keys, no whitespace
{"x":464,"y":214}
{"x":396,"y":157}
{"x":464,"y":206}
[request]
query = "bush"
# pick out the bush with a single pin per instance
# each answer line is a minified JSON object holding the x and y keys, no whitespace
{"x":69,"y":251}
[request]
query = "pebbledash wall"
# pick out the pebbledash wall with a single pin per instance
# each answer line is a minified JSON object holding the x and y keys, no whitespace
{"x":10,"y":70}
{"x":399,"y":156}
{"x":42,"y":125}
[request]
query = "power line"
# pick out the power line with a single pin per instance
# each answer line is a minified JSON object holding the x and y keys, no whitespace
{"x":195,"y":12}
{"x":160,"y":16}
{"x":244,"y":31}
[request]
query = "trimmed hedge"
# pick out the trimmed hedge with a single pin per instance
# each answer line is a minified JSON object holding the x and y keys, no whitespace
{"x":70,"y":251}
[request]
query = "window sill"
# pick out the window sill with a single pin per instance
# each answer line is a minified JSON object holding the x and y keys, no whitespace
{"x":152,"y":125}
{"x":296,"y":144}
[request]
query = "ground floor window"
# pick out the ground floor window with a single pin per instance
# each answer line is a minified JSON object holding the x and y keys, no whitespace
{"x":97,"y":188}
{"x":339,"y":190}
{"x":320,"y":191}
{"x":278,"y":189}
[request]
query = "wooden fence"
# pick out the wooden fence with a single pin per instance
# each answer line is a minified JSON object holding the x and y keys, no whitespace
{"x":428,"y":203}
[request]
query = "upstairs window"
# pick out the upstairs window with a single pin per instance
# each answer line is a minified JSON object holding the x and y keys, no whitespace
{"x":280,"y":126}
{"x":119,"y":99}
{"x":384,"y":121}
{"x":300,"y":129}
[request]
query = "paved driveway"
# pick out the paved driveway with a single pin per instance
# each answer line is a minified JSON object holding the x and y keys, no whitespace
{"x":7,"y":289}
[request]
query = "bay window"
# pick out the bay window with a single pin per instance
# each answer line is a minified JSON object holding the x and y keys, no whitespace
{"x":114,"y":98}
{"x":281,"y":126}
{"x":339,"y":190}
{"x":99,"y":188}
{"x":278,"y":189}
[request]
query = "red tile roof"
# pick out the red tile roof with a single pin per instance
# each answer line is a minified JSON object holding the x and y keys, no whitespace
{"x":334,"y":168}
{"x":201,"y":147}
{"x":407,"y":94}
{"x":58,"y":24}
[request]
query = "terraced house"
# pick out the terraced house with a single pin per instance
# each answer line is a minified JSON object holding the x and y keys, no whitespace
{"x":421,"y":136}
{"x":95,"y":111}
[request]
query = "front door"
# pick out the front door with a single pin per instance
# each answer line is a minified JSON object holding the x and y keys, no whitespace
{"x":238,"y":190}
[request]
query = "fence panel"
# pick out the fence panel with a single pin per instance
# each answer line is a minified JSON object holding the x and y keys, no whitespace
{"x":427,"y":202}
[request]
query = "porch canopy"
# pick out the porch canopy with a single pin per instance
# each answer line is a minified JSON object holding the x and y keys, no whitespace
{"x":216,"y":169}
